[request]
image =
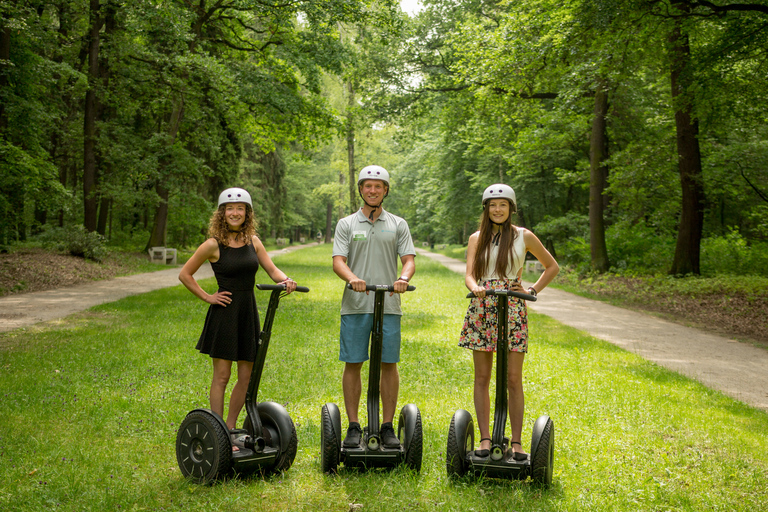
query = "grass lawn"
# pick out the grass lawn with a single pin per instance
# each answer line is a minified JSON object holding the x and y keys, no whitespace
{"x":90,"y":410}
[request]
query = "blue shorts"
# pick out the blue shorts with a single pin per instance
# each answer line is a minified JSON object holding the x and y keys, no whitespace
{"x":356,"y":333}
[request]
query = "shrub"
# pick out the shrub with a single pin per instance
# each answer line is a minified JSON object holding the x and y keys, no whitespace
{"x":75,"y":240}
{"x":730,"y":254}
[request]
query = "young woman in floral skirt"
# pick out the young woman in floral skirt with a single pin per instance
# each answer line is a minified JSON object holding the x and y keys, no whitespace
{"x":495,"y":258}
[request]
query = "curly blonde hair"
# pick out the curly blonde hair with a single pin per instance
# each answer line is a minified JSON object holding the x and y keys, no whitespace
{"x":219,"y":229}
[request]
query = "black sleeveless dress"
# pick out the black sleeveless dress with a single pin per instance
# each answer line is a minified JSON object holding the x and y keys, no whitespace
{"x":232,"y":332}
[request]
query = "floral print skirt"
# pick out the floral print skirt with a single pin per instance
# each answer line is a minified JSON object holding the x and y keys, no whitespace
{"x":480,"y":329}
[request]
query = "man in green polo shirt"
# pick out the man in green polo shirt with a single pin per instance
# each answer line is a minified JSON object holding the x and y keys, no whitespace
{"x":365,"y":250}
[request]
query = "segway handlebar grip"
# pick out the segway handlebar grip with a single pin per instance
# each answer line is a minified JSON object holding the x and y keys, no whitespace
{"x":265,"y":287}
{"x":510,"y":293}
{"x":388,"y":287}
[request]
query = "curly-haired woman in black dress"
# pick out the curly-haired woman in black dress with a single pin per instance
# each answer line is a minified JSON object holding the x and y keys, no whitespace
{"x":495,"y":257}
{"x":232,"y":327}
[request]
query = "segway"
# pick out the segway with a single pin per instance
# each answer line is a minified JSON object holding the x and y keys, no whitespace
{"x":371,"y":453}
{"x":460,"y":456}
{"x":203,"y":443}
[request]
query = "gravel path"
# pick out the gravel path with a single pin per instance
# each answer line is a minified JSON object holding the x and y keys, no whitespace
{"x":737,"y":369}
{"x":26,"y":309}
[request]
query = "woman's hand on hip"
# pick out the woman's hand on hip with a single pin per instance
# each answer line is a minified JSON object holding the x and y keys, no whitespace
{"x":219,"y":298}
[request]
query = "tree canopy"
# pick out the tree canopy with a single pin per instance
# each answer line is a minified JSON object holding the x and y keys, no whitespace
{"x":634,"y":133}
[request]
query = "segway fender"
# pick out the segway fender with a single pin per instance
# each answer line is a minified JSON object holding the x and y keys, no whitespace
{"x":409,"y":415}
{"x":335,"y":415}
{"x":461,"y":420}
{"x":214,"y":415}
{"x":538,"y":430}
{"x":279,"y":415}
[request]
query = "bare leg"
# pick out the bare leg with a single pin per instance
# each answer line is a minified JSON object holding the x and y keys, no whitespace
{"x":516,"y":397}
{"x":483,"y":362}
{"x":221,"y":372}
{"x":237,"y":399}
{"x":390,"y":388}
{"x":352,"y":386}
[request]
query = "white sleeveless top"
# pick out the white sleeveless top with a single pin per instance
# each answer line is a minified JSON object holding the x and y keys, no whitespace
{"x":518,"y":249}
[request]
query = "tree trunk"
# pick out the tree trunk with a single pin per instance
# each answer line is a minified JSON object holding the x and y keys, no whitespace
{"x":351,"y":149}
{"x":90,"y":201}
{"x":598,"y":172}
{"x":105,"y":112}
{"x":328,"y":222}
{"x":160,"y":222}
{"x":104,"y":206}
{"x":5,"y":59}
{"x":689,"y":232}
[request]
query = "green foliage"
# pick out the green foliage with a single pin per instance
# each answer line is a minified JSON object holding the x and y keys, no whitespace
{"x":76,"y":241}
{"x":566,"y":237}
{"x":733,"y":255}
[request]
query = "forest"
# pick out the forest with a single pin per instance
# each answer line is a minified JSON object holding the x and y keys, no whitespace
{"x":634,"y":132}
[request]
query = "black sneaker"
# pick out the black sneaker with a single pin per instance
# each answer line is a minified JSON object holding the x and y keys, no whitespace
{"x":354,"y":433}
{"x":388,"y":437}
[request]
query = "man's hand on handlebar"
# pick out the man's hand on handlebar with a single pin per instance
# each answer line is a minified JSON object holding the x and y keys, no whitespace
{"x":358,"y":285}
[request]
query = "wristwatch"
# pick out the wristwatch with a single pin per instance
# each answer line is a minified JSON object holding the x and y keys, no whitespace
{"x":403,"y":278}
{"x":532,"y":291}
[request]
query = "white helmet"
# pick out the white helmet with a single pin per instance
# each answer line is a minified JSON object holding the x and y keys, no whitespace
{"x":235,"y":195}
{"x":373,"y":172}
{"x":500,"y":191}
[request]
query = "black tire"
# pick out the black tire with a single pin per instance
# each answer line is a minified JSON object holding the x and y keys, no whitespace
{"x":409,"y":431}
{"x":543,"y":459}
{"x":330,"y":438}
{"x":277,"y":426}
{"x":461,"y":440}
{"x":203,"y":450}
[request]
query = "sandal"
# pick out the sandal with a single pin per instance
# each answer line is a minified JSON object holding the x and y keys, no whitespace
{"x":237,"y":437}
{"x":483,"y":453}
{"x":518,"y":456}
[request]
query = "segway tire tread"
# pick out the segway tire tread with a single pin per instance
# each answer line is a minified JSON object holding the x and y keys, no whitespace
{"x":213,"y":459}
{"x":543,"y":458}
{"x":454,"y":456}
{"x":329,"y":458}
{"x":285,"y":459}
{"x":413,"y":454}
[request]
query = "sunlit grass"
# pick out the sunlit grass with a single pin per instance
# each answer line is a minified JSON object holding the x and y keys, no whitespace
{"x":90,"y":410}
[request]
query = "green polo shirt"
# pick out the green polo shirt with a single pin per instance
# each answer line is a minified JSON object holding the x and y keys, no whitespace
{"x":372,"y":250}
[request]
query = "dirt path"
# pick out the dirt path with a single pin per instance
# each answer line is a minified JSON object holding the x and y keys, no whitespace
{"x":737,"y":369}
{"x":26,"y":309}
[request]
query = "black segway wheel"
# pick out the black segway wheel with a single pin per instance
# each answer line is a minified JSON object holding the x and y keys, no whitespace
{"x":543,"y":451}
{"x":330,"y":438}
{"x":279,"y":432}
{"x":203,"y":450}
{"x":411,"y":436}
{"x":461,"y":441}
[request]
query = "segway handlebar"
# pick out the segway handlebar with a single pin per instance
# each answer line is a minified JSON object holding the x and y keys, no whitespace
{"x":387,"y":287}
{"x":302,"y":289}
{"x":519,"y":295}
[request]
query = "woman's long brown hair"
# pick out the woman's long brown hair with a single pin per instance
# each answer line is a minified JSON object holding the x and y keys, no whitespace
{"x":506,"y":243}
{"x":219,"y":229}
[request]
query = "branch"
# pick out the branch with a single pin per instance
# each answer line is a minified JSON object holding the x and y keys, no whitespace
{"x":729,"y":7}
{"x":759,"y":193}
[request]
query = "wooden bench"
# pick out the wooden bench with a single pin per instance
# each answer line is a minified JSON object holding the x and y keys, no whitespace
{"x":162,"y":255}
{"x":281,"y":241}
